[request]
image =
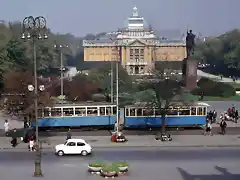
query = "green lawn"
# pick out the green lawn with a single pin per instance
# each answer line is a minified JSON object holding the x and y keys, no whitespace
{"x":210,"y":98}
{"x":190,"y":97}
{"x":235,"y":85}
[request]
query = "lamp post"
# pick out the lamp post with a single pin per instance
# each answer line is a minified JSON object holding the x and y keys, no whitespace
{"x":59,"y":48}
{"x":117,"y":80}
{"x":35,"y":27}
{"x":117,"y":95}
{"x":112,"y":100}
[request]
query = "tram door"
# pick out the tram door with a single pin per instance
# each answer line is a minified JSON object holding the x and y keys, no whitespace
{"x":121,"y":117}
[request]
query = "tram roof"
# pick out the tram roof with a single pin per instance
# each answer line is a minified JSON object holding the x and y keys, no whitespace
{"x":176,"y":103}
{"x":83,"y":104}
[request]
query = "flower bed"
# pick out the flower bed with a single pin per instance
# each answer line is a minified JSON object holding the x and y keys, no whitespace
{"x":95,"y":167}
{"x":122,"y":166}
{"x":108,"y":170}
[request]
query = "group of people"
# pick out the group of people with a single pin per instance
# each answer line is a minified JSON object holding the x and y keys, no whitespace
{"x":14,"y":142}
{"x":230,"y":115}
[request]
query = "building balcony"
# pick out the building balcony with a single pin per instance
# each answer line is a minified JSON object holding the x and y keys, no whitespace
{"x":137,"y":63}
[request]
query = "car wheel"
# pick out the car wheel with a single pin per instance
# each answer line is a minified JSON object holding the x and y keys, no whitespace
{"x":60,"y":153}
{"x":84,"y":153}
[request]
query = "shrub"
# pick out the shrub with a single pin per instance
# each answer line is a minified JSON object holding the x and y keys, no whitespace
{"x":96,"y":164}
{"x":212,"y":88}
{"x":121,"y":164}
{"x":110,"y":168}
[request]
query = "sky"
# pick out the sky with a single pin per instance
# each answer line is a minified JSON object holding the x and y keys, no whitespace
{"x":80,"y":17}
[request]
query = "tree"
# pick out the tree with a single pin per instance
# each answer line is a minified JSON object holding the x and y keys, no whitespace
{"x":164,"y":88}
{"x":102,"y":76}
{"x":19,"y":99}
{"x":222,"y":53}
{"x":79,"y":89}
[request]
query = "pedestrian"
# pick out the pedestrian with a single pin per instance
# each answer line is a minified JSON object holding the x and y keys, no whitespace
{"x":69,"y":134}
{"x":14,"y":138}
{"x":31,"y":144}
{"x":236,"y":116}
{"x":211,"y":116}
{"x":223,"y":126}
{"x":208,"y":130}
{"x":6,"y":126}
{"x":214,"y":116}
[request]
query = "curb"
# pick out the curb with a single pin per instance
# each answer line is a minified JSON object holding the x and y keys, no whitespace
{"x":125,"y":147}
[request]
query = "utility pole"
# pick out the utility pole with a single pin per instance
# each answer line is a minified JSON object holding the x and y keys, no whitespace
{"x":61,"y":61}
{"x":59,"y":48}
{"x":117,"y":79}
{"x":112,"y":100}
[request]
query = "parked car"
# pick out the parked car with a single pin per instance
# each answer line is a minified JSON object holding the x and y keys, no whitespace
{"x":73,"y":146}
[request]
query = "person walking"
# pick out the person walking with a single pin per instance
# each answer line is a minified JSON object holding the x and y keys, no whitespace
{"x":31,"y":143}
{"x":14,"y":138}
{"x":236,"y":116}
{"x":208,"y":130}
{"x":223,"y":126}
{"x":6,"y":126}
{"x":69,"y":134}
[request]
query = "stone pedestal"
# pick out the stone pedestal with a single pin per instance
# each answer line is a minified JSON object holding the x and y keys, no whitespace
{"x":190,"y":73}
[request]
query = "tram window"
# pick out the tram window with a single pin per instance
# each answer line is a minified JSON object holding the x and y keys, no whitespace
{"x":114,"y":110}
{"x":40,"y":112}
{"x":102,"y":111}
{"x":67,"y":111}
{"x":147,"y":112}
{"x":157,"y":112}
{"x":193,"y":111}
{"x":172,"y":112}
{"x":127,"y":112}
{"x":139,"y":112}
{"x":92,"y":111}
{"x":200,"y":111}
{"x":184,"y":112}
{"x":80,"y":111}
{"x":108,"y":111}
{"x":204,"y":111}
{"x":56,"y":112}
{"x":46,"y":112}
{"x":132,"y":112}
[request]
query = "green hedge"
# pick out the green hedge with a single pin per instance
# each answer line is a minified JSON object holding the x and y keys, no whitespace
{"x":212,"y":88}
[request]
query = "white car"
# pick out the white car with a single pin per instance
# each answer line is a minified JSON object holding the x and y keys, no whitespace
{"x":73,"y":146}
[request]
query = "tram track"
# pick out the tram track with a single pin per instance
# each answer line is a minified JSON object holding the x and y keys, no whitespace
{"x":173,"y":131}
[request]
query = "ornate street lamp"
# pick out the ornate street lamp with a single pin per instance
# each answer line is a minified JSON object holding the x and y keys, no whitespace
{"x":35,"y":28}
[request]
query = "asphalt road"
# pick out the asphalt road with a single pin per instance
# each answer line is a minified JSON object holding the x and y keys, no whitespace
{"x":151,"y":163}
{"x":132,"y":154}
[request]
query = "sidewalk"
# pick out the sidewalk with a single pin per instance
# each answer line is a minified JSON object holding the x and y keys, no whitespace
{"x":138,"y":141}
{"x":212,"y":76}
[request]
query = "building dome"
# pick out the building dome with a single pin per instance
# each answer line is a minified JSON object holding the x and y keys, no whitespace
{"x":135,"y":21}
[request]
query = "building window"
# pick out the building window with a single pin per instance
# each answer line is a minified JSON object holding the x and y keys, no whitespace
{"x":131,"y":51}
{"x":142,"y":54}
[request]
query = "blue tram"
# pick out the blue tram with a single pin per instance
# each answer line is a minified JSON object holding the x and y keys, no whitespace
{"x":77,"y":115}
{"x":104,"y":115}
{"x":191,"y":115}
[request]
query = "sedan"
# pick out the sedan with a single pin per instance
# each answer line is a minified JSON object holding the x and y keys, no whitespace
{"x":73,"y":147}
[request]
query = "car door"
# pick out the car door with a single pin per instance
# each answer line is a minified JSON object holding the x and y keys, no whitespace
{"x":70,"y":148}
{"x":80,"y":147}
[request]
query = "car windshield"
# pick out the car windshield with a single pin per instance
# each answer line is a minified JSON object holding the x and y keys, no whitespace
{"x":66,"y":143}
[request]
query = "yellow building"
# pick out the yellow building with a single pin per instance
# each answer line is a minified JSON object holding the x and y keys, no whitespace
{"x":136,"y":47}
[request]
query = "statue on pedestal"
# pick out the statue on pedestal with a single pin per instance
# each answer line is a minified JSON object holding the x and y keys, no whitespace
{"x":190,"y":43}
